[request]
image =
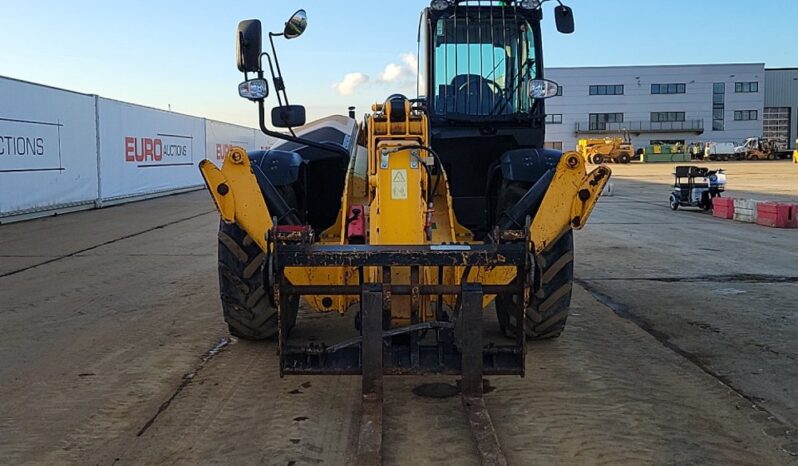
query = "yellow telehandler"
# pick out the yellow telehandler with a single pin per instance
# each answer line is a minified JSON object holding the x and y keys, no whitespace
{"x":415,"y":220}
{"x":610,"y":149}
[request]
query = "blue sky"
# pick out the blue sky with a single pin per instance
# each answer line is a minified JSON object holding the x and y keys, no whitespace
{"x":181,"y":53}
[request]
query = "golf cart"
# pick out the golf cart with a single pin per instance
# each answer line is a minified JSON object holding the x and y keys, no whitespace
{"x":696,"y":186}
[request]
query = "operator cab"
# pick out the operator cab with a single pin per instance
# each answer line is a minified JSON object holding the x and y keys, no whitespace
{"x":481,"y":69}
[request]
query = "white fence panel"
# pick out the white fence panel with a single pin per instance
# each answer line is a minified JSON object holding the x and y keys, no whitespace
{"x":263,"y":142}
{"x":145,"y":150}
{"x":219,"y":137}
{"x":48,"y":148}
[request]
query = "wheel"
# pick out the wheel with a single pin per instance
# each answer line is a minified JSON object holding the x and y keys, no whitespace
{"x":597,"y":159}
{"x":724,"y":158}
{"x":246,"y":302}
{"x":674,"y":202}
{"x":553,"y":282}
{"x":771,"y":156}
{"x":624,"y":158}
{"x":706,"y":202}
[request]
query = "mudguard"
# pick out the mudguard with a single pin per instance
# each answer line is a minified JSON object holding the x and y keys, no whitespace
{"x":528,"y":165}
{"x":282,"y":168}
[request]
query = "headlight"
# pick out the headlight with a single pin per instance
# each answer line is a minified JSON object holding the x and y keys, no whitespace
{"x":254,"y":89}
{"x":542,"y":88}
{"x":530,"y":4}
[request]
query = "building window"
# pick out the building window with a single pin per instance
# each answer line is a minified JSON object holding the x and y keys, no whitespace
{"x":608,"y":89}
{"x":659,"y":117}
{"x":745,"y":115}
{"x":554,"y":119}
{"x":718,"y":106}
{"x":598,"y":121}
{"x":671,"y":88}
{"x":559,"y":90}
{"x":752,"y":86}
{"x":556,"y":145}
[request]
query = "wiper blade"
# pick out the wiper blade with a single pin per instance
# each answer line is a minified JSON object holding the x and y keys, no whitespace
{"x":527,"y":66}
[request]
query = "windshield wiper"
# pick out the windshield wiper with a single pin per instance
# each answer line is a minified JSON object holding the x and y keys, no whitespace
{"x":528,"y":64}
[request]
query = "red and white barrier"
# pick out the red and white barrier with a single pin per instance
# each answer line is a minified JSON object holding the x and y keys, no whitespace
{"x":765,"y":213}
{"x":723,"y":207}
{"x":776,"y":215}
{"x":745,"y":210}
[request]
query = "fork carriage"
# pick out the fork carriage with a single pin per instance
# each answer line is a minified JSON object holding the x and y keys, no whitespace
{"x":447,"y":339}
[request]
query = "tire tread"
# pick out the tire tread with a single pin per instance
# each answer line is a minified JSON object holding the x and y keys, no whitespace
{"x":246,"y":305}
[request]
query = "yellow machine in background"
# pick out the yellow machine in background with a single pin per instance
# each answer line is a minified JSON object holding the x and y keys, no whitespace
{"x":615,"y":149}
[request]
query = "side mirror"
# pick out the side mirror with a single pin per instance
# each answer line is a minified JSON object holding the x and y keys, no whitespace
{"x":564,"y":17}
{"x":542,"y":88}
{"x":295,"y":26}
{"x":288,"y":116}
{"x":248,"y":45}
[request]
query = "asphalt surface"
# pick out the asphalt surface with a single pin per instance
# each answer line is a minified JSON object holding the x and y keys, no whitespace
{"x":681,"y":347}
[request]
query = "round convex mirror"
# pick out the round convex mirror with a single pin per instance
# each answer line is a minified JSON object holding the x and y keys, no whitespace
{"x":295,"y":26}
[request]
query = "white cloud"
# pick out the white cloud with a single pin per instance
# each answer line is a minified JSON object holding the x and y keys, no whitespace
{"x":350,"y":82}
{"x":403,"y":73}
{"x":411,"y":61}
{"x":391,"y":73}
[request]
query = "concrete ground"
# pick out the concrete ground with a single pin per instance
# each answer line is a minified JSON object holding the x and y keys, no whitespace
{"x":681,"y":347}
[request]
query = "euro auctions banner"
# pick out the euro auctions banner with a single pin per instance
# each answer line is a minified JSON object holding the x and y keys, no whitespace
{"x":263,"y":142}
{"x":145,"y":150}
{"x":48,"y":148}
{"x":222,"y":136}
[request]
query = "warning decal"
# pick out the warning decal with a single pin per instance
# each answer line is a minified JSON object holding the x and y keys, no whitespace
{"x":399,"y":184}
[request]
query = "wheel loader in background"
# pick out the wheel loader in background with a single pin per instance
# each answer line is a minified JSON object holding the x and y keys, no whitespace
{"x":614,"y":149}
{"x":413,"y":221}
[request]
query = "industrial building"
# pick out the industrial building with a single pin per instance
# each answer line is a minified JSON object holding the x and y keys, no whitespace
{"x":672,"y":103}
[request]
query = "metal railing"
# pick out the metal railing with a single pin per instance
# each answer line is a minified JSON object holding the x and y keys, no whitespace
{"x":638,"y":127}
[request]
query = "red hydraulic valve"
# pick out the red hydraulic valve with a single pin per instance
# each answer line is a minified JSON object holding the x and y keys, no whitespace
{"x":356,"y":225}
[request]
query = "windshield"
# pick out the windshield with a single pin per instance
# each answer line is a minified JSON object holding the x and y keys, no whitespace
{"x":483,"y":62}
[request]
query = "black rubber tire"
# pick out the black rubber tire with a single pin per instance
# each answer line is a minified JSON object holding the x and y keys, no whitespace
{"x":246,"y":303}
{"x":673,"y":202}
{"x":598,"y":159}
{"x":706,"y":202}
{"x":624,"y":158}
{"x":553,"y":283}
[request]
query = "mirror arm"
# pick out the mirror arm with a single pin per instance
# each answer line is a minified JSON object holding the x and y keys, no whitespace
{"x":328,"y":147}
{"x":275,"y":79}
{"x":278,"y":86}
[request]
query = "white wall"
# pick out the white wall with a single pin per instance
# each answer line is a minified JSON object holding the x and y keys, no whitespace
{"x":263,"y":142}
{"x":61,"y":150}
{"x":48,"y":148}
{"x":219,"y":137}
{"x":144,"y":150}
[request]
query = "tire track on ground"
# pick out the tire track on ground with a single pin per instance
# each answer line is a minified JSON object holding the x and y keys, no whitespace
{"x":773,"y":424}
{"x":105,"y":243}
